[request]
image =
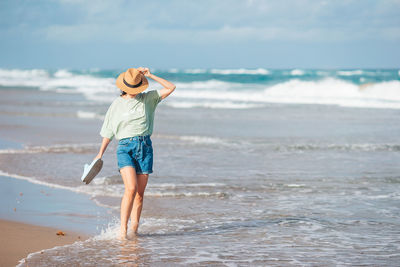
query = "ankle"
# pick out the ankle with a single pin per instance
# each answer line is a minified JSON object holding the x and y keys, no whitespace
{"x":123,"y":234}
{"x":135,"y":226}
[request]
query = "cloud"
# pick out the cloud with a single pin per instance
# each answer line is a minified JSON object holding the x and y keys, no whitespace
{"x":227,"y":21}
{"x":207,"y":22}
{"x":125,"y":34}
{"x":207,"y":32}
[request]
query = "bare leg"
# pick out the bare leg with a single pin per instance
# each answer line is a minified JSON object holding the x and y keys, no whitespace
{"x":138,"y":202}
{"x":130,"y":181}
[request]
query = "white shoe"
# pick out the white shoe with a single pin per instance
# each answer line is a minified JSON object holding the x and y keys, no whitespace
{"x":90,"y":171}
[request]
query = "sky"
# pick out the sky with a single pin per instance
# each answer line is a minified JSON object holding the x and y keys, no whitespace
{"x":200,"y":34}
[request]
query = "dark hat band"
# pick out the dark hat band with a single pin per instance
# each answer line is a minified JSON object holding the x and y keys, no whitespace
{"x":132,"y":86}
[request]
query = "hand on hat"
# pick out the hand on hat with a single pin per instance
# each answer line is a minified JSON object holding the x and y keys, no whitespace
{"x":144,"y":71}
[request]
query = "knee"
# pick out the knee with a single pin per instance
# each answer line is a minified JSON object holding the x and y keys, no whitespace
{"x":130,"y":191}
{"x":139,"y":198}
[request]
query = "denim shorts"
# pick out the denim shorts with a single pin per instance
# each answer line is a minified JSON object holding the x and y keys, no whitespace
{"x":136,"y":152}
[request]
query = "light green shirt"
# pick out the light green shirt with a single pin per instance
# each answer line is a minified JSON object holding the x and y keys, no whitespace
{"x":131,"y":117}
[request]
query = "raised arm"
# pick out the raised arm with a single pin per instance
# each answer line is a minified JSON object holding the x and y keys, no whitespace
{"x":168,"y":86}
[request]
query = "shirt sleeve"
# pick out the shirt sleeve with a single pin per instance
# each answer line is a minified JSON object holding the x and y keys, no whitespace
{"x":106,"y":129}
{"x":153,"y":97}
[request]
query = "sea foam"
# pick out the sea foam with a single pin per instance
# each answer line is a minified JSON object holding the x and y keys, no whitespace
{"x":297,"y":72}
{"x":218,"y":90}
{"x":350,"y":72}
{"x":259,"y":71}
{"x":329,"y":91}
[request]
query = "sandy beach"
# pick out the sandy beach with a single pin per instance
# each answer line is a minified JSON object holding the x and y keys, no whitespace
{"x":22,"y":239}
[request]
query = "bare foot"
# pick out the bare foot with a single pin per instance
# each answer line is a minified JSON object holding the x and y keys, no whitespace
{"x":122,"y":235}
{"x":132,"y":235}
{"x":135,"y":227}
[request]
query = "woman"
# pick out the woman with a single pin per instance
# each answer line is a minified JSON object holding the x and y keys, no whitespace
{"x":130,"y":119}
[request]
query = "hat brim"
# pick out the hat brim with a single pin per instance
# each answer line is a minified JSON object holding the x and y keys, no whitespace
{"x":120,"y":84}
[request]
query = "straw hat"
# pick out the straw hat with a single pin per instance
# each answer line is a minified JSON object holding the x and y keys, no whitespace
{"x":132,"y":81}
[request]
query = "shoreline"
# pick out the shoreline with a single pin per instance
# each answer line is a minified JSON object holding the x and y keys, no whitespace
{"x":42,"y":205}
{"x":32,"y":214}
{"x":23,"y":239}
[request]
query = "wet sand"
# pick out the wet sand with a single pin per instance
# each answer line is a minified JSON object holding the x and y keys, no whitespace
{"x":20,"y":239}
{"x":32,"y":214}
{"x":37,"y":204}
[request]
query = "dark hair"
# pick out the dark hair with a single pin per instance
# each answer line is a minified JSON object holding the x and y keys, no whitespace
{"x":122,"y":93}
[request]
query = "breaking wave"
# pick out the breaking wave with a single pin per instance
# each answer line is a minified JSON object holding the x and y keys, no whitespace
{"x":215,"y":88}
{"x":328,"y":91}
